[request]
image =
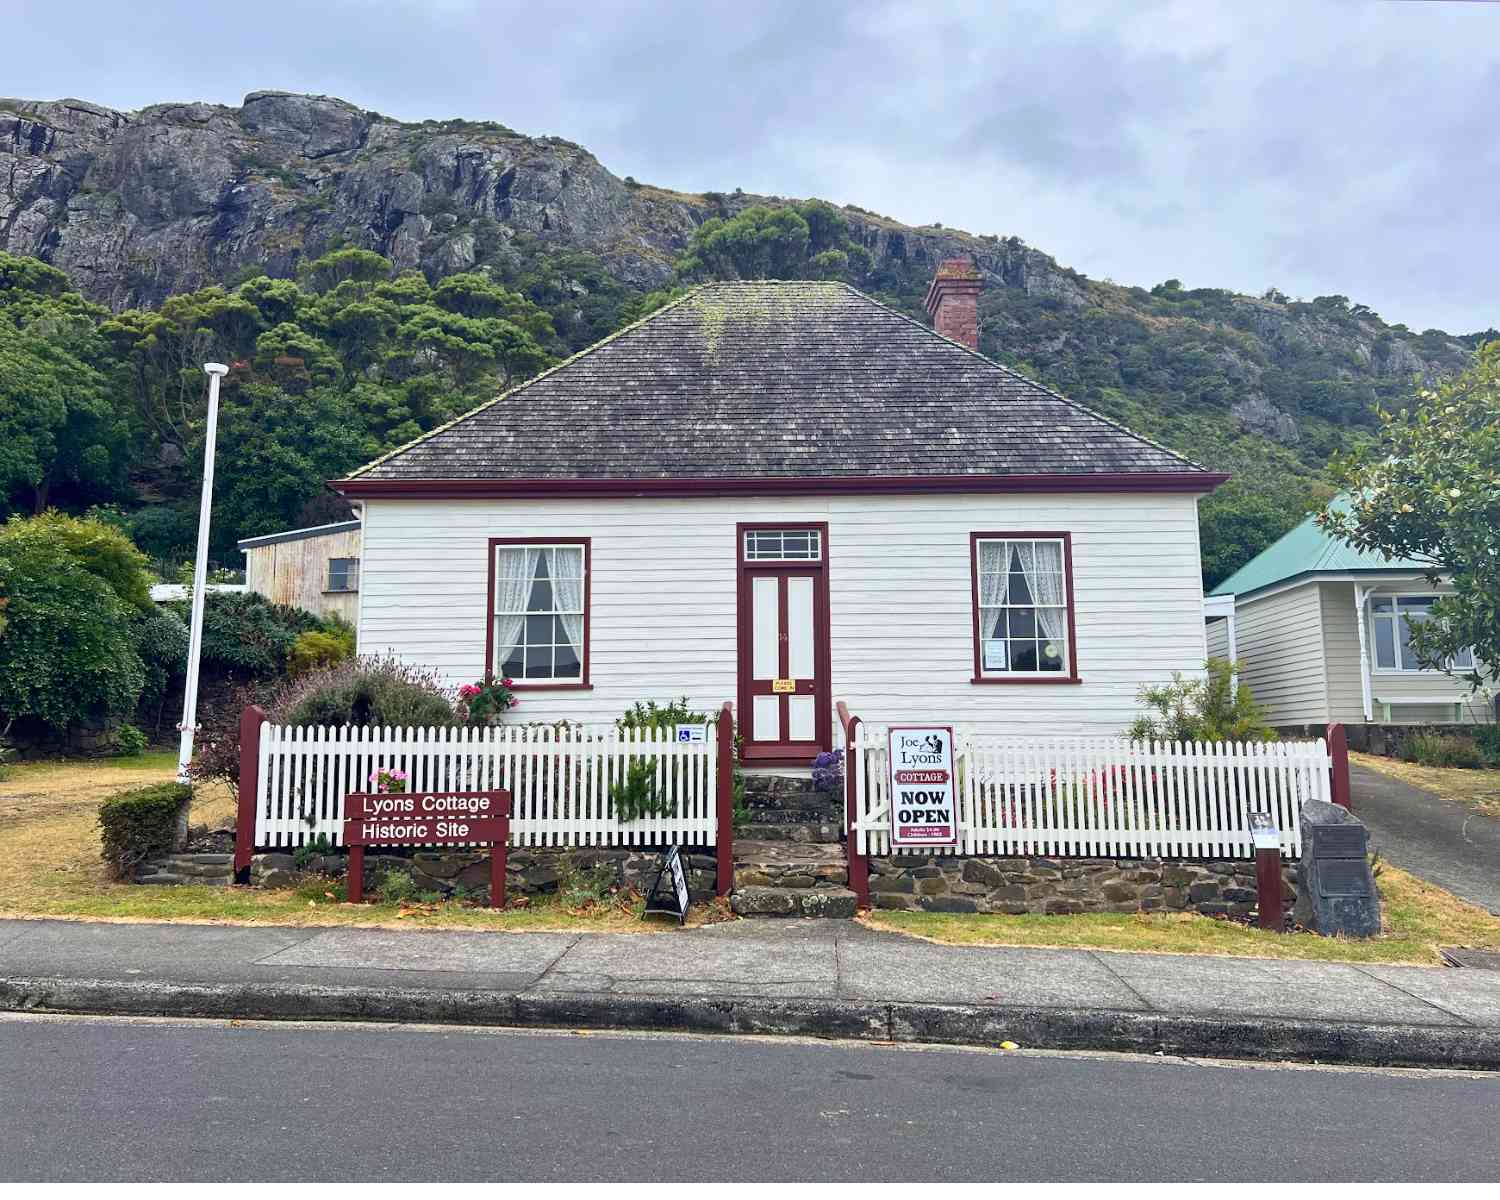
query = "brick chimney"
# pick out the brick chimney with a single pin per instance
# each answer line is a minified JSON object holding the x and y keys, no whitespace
{"x":953,"y":301}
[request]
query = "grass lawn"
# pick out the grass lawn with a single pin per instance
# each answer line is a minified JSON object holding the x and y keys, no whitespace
{"x":1418,"y":919}
{"x":50,"y":867}
{"x":1478,"y":789}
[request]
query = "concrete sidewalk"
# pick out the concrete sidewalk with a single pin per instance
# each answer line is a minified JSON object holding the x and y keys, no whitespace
{"x":1440,"y":840}
{"x":829,"y":978}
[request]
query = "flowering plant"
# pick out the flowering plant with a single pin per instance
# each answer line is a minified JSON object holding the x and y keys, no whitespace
{"x":388,"y":779}
{"x":482,"y":703}
{"x":828,"y":772}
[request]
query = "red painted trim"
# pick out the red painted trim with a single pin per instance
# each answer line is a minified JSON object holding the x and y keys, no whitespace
{"x":733,"y":485}
{"x":520,"y":685}
{"x":724,"y":808}
{"x":859,"y":864}
{"x":784,"y":753}
{"x":1338,"y":751}
{"x":251,"y":720}
{"x":1021,"y":534}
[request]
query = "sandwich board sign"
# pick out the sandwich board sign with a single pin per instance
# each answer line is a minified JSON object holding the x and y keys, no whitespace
{"x":923,"y":788}
{"x":675,"y":897}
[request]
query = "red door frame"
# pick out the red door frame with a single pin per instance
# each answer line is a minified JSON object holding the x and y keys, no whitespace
{"x":784,"y":754}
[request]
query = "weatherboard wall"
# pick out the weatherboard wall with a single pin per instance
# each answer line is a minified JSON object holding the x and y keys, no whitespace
{"x":663,"y":622}
{"x":1280,"y":643}
{"x":1341,"y":642}
{"x":295,"y":572}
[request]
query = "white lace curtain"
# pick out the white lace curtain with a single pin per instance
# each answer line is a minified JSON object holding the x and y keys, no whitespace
{"x":515,"y":570}
{"x":994,"y":580}
{"x":1042,"y":565}
{"x":565,"y":569}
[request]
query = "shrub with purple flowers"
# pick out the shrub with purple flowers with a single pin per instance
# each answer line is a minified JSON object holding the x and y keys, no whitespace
{"x":828,"y":772}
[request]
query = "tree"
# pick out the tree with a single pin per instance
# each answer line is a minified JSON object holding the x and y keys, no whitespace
{"x":1428,"y":488}
{"x":69,"y":656}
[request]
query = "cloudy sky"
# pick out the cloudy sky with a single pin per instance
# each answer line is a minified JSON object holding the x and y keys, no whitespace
{"x":1319,"y":146}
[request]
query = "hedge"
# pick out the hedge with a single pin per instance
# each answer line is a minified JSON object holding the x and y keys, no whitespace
{"x":138,"y":823}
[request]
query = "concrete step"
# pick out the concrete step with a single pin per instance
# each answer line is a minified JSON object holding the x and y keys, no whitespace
{"x":793,"y":902}
{"x":826,"y":832}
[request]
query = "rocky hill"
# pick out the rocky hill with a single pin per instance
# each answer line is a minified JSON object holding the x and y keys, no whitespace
{"x":138,"y":206}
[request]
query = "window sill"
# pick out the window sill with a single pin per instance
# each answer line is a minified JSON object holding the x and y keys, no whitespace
{"x":549,"y":686}
{"x":989,"y":679}
{"x":340,"y":591}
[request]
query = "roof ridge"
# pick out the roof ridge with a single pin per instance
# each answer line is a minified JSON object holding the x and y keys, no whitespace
{"x":1026,"y":379}
{"x":537,"y":378}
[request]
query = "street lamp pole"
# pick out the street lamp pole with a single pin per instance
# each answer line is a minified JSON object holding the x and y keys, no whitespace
{"x":216,"y":372}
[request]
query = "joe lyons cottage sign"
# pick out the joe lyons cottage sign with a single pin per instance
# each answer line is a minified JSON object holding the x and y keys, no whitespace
{"x":924,"y":798}
{"x":427,"y":819}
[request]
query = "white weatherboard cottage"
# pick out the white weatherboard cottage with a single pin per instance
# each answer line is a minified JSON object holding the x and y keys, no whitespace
{"x":785,"y":495}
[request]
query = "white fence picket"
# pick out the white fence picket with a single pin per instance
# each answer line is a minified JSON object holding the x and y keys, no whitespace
{"x":561,"y":780}
{"x":1071,"y":797}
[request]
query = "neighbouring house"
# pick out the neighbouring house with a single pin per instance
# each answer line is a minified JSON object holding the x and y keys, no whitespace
{"x":315,"y":568}
{"x":785,"y":495}
{"x":1322,"y":633}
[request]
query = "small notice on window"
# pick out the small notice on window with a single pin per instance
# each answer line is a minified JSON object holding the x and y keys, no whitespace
{"x":994,"y":655}
{"x":924,"y":795}
{"x":783,"y":686}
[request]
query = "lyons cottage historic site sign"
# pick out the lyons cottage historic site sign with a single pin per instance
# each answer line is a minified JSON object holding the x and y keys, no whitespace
{"x":924,"y":796}
{"x":427,"y":819}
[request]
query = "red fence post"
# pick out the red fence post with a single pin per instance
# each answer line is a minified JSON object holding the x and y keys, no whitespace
{"x":1338,"y":751}
{"x":859,"y":865}
{"x":725,"y":808}
{"x":244,"y":823}
{"x":1268,"y":888}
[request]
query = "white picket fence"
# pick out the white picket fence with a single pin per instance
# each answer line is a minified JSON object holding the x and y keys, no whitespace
{"x":1105,"y":797}
{"x":561,"y":779}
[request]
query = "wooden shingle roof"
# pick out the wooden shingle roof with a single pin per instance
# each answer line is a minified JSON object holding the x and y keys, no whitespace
{"x":775,"y":381}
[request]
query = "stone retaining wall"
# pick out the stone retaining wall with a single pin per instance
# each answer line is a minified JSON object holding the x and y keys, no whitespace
{"x":526,"y":870}
{"x":944,"y":883}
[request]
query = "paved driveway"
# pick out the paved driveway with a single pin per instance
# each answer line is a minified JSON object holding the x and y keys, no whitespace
{"x":1440,"y":840}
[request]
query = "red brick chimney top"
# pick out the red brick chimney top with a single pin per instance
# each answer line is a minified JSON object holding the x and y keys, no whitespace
{"x":953,"y":301}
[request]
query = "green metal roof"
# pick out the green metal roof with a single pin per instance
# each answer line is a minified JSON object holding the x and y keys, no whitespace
{"x":1304,"y":550}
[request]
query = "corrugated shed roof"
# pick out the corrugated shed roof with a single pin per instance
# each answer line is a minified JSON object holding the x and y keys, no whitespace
{"x":775,"y":380}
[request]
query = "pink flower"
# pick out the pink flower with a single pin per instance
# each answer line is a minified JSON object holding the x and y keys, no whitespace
{"x":506,"y":682}
{"x":468,"y":691}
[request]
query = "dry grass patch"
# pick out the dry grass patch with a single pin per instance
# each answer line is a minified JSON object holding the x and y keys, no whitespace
{"x":50,"y":867}
{"x":1479,"y":789}
{"x":1418,"y":919}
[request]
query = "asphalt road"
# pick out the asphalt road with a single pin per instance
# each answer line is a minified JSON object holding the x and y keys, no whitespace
{"x":121,"y":1099}
{"x":1440,"y":840}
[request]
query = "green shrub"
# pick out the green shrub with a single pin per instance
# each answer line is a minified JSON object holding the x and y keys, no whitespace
{"x":319,"y":648}
{"x":161,"y":640}
{"x":68,"y":656}
{"x":1216,"y":708}
{"x":245,"y":636}
{"x":369,"y":691}
{"x":394,"y":887}
{"x":1441,"y":750}
{"x":138,"y":823}
{"x":1487,"y":739}
{"x":129,"y":741}
{"x":648,"y":714}
{"x":579,"y":886}
{"x":308,"y":851}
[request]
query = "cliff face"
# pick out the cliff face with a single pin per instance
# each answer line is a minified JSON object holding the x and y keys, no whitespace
{"x":137,"y":206}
